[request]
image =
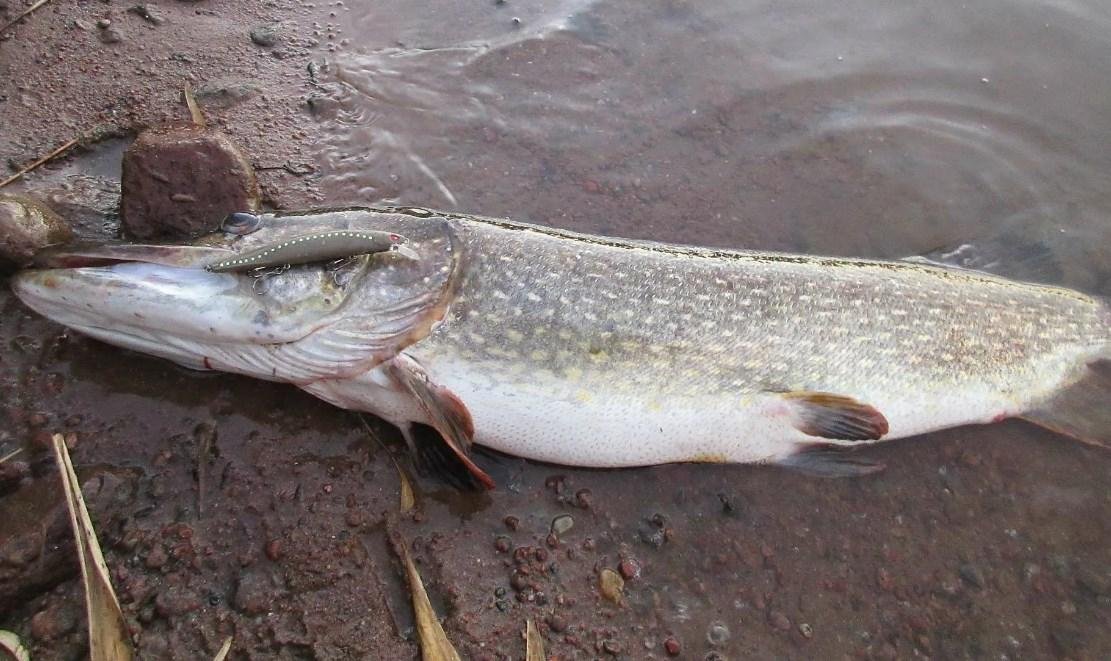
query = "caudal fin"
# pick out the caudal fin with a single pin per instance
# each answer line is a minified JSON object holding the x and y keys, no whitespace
{"x":1082,"y":410}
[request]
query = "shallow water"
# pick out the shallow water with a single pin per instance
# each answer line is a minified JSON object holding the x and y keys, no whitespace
{"x":845,"y":128}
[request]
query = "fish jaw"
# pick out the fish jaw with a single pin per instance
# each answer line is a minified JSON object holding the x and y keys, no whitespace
{"x":161,"y":310}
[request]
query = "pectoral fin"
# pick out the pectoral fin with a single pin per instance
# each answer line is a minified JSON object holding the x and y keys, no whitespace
{"x":446,"y":414}
{"x":836,"y":417}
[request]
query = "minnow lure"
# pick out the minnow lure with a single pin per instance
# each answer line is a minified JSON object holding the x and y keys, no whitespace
{"x":316,"y":247}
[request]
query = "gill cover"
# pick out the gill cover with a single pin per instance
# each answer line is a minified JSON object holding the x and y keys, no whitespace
{"x":391,"y":301}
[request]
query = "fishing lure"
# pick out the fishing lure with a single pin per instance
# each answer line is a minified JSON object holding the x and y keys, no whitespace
{"x":316,"y":247}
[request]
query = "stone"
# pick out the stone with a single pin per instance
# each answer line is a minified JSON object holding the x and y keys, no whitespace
{"x":266,"y":35}
{"x":183,"y":181}
{"x":27,"y":226}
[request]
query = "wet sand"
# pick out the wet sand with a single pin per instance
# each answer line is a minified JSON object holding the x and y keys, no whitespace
{"x":793,"y":126}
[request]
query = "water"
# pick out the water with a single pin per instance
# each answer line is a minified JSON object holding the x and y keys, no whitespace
{"x":845,"y":128}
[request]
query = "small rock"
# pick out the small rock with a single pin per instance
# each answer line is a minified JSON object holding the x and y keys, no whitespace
{"x":611,"y":584}
{"x":111,"y":36}
{"x":806,"y":630}
{"x":972,"y":575}
{"x":556,"y":623}
{"x":779,"y":621}
{"x":54,"y":622}
{"x":27,"y":226}
{"x":672,"y":646}
{"x":225,"y":92}
{"x":266,"y":35}
{"x":103,"y":23}
{"x":629,"y":568}
{"x":203,"y":165}
{"x":274,"y":550}
{"x":562,"y":524}
{"x":174,"y":601}
{"x":144,"y":12}
{"x":717,"y":634}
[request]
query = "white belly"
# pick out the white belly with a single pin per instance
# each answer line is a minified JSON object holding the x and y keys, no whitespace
{"x":548,"y":419}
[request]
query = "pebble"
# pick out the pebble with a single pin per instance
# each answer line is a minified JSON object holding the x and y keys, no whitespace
{"x":629,"y":568}
{"x":27,"y":226}
{"x":144,"y":12}
{"x":53,"y":622}
{"x":779,"y":621}
{"x":174,"y":601}
{"x":556,"y":623}
{"x":111,"y":36}
{"x":562,"y":524}
{"x":806,"y":630}
{"x":266,"y":35}
{"x":672,"y":646}
{"x":274,"y":550}
{"x":203,"y":164}
{"x":611,"y":584}
{"x":512,"y":522}
{"x":717,"y":634}
{"x":972,"y":575}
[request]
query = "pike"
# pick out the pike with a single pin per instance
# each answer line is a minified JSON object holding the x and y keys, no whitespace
{"x":594,"y":351}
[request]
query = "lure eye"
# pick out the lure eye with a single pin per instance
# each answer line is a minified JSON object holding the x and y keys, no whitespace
{"x":240,"y":223}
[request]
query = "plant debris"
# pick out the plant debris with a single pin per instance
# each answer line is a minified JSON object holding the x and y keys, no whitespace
{"x":224,"y":649}
{"x":434,"y":643}
{"x":534,"y":644}
{"x":24,"y":170}
{"x":108,"y":636}
{"x":19,"y":17}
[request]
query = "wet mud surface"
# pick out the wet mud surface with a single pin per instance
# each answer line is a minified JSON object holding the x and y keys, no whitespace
{"x":228,"y":506}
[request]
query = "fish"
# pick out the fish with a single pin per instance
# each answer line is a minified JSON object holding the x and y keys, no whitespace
{"x":586,"y":350}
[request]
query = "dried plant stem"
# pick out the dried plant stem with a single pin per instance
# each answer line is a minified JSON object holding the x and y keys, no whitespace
{"x":23,"y":14}
{"x":194,"y":110}
{"x":39,"y":162}
{"x":108,"y":636}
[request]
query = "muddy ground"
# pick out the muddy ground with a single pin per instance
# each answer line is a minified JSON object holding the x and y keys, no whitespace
{"x":989,"y":542}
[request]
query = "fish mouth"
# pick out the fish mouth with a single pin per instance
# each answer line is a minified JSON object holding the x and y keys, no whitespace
{"x":93,"y":255}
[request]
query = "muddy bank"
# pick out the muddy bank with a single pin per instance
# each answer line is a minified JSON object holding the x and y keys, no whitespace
{"x":980,"y":542}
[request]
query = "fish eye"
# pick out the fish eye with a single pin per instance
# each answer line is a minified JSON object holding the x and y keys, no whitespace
{"x":240,"y":223}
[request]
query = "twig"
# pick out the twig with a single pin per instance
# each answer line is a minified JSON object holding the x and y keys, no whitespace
{"x":224,"y":649}
{"x":11,"y":454}
{"x":39,"y":162}
{"x":23,"y":14}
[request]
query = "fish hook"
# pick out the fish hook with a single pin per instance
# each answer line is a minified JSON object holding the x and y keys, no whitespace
{"x":262,"y":275}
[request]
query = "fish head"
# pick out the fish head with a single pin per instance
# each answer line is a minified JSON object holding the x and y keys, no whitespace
{"x":299,"y":322}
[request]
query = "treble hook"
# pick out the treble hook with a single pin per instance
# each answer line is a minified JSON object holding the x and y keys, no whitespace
{"x":262,"y":274}
{"x":336,"y":268}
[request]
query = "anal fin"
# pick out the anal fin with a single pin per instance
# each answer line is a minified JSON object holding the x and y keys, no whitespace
{"x":828,"y":460}
{"x":447,"y":415}
{"x":836,"y":417}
